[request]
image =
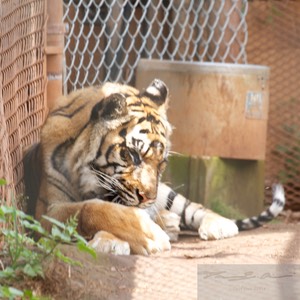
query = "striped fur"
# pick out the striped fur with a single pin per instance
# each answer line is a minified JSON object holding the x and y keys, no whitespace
{"x":101,"y":155}
{"x":192,"y":214}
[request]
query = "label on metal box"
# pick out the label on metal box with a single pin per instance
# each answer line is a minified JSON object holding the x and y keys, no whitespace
{"x":254,"y":106}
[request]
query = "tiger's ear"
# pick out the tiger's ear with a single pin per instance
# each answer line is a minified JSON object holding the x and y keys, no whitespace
{"x":157,"y":91}
{"x":110,"y":108}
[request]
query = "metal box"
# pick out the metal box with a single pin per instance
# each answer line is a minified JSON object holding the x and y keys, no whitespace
{"x":216,"y":109}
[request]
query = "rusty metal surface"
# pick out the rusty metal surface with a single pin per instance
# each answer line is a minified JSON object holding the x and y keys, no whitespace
{"x":217,"y":109}
{"x":22,"y":100}
{"x":273,"y":28}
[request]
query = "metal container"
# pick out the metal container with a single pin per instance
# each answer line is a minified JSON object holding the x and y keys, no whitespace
{"x":216,"y":109}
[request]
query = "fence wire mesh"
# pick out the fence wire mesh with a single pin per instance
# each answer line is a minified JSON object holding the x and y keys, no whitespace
{"x":274,"y":40}
{"x":106,"y":39}
{"x":107,"y":33}
{"x":22,"y":84}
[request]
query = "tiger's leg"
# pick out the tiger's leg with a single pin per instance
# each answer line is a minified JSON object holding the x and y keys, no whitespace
{"x":106,"y":242}
{"x":169,"y":222}
{"x":128,"y":224}
{"x":209,"y":225}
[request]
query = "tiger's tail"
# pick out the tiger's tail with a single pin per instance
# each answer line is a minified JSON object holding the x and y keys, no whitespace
{"x":269,"y":214}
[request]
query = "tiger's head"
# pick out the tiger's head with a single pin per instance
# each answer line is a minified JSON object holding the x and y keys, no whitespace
{"x":130,"y":142}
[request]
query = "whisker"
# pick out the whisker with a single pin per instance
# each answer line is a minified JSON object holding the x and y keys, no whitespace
{"x":112,"y":185}
{"x":156,"y":206}
{"x":105,"y":185}
{"x":115,"y":199}
{"x":171,"y":153}
{"x":178,"y":187}
{"x":106,"y":179}
{"x":157,"y":213}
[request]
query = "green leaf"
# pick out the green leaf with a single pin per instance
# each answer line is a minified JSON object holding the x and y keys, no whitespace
{"x":8,"y":272}
{"x":7,"y":209}
{"x":2,"y":181}
{"x":25,"y":253}
{"x":35,"y":269}
{"x":15,"y":292}
{"x":2,"y":217}
{"x":57,"y":234}
{"x":70,"y":229}
{"x":29,"y":255}
{"x":10,"y":292}
{"x":46,"y":245}
{"x":83,"y":247}
{"x":28,"y":294}
{"x":55,"y":222}
{"x":36,"y":227}
{"x":66,"y":259}
{"x":29,"y":270}
{"x":79,"y":238}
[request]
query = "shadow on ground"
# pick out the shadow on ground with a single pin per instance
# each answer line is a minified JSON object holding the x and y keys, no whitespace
{"x":170,"y":274}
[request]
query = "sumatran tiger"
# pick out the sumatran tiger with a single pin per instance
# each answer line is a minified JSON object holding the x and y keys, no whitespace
{"x":100,"y":158}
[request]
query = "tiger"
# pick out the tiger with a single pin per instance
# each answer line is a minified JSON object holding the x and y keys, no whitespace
{"x":101,"y":156}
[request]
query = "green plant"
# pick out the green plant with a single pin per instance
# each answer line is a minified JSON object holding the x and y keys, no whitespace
{"x":8,"y":292}
{"x":23,"y":255}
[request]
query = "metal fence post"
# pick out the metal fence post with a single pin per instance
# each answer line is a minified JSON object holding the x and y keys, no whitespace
{"x":54,"y":50}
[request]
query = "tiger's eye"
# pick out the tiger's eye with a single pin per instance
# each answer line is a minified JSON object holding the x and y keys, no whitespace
{"x":158,"y":147}
{"x":162,"y":165}
{"x":135,"y":156}
{"x":130,"y":156}
{"x":124,"y":154}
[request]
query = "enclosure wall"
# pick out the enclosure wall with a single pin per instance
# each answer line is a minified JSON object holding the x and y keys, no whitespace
{"x":274,"y":40}
{"x":22,"y":86}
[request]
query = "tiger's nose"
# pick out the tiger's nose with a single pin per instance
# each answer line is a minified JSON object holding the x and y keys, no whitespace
{"x":146,"y":196}
{"x":143,"y":198}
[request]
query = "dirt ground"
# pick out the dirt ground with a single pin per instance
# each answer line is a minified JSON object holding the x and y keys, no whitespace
{"x":173,"y":274}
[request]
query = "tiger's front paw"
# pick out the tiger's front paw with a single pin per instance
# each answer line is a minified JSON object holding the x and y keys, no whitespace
{"x":169,"y":222}
{"x":108,"y":243}
{"x":128,"y":224}
{"x":216,"y":227}
{"x":150,"y":238}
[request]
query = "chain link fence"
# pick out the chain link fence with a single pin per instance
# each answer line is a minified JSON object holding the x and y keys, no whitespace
{"x":105,"y":39}
{"x":22,"y":85}
{"x":274,"y":40}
